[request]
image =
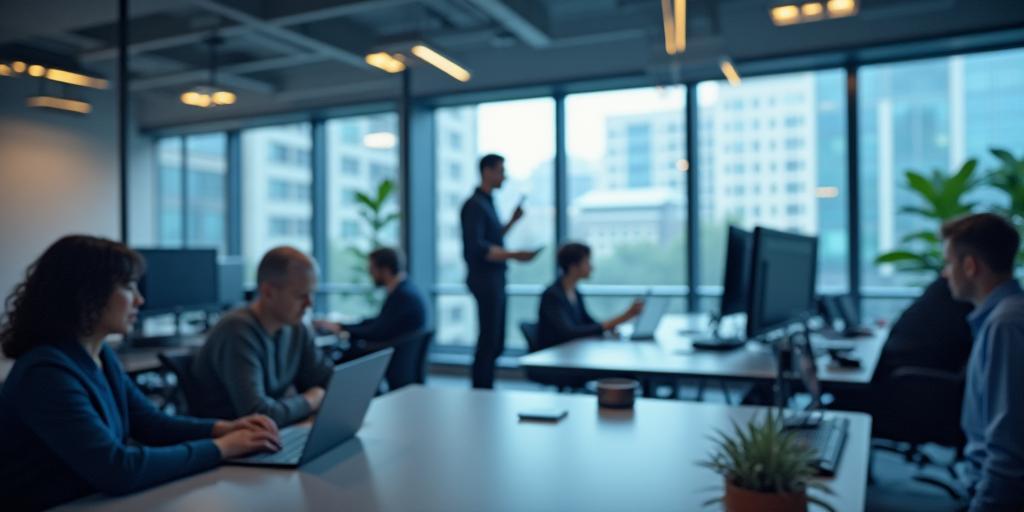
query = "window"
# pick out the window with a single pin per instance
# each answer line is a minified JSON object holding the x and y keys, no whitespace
{"x":349,"y":166}
{"x":206,"y":191}
{"x":169,"y":206}
{"x":350,"y":234}
{"x":277,"y":205}
{"x":925,"y":115}
{"x":523,"y":132}
{"x":814,"y":156}
{"x":632,"y":214}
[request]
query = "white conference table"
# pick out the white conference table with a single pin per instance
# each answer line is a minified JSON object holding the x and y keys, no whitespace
{"x":671,"y":354}
{"x":451,"y":450}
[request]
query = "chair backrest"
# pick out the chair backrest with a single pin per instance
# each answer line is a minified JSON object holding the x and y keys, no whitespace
{"x":922,"y":406}
{"x":408,"y":364}
{"x":181,"y":366}
{"x":530,"y":333}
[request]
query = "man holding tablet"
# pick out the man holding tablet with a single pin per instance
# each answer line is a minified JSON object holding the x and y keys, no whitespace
{"x":483,"y":247}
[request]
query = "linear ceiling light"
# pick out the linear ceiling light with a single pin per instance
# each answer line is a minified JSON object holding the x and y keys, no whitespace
{"x":673,"y":14}
{"x":79,"y":107}
{"x":380,"y":140}
{"x":841,"y":8}
{"x":441,"y":62}
{"x":814,"y":10}
{"x":730,"y":72}
{"x":68,"y":77}
{"x":386,"y":62}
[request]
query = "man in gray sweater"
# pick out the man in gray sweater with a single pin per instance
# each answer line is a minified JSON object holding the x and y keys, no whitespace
{"x":255,"y":354}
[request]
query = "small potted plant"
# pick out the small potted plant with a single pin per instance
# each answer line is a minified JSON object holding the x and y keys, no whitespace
{"x":765,"y":469}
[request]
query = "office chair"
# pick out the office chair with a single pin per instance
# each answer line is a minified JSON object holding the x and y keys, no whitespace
{"x":923,"y":406}
{"x":186,"y":392}
{"x":408,"y":364}
{"x":563,"y":383}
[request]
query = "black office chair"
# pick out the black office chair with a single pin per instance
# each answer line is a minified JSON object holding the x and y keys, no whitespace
{"x":409,"y":362}
{"x":187,"y":393}
{"x":922,"y":406}
{"x":563,"y":383}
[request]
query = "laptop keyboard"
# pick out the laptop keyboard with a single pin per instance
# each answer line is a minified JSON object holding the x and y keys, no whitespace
{"x":827,"y":440}
{"x":293,"y":441}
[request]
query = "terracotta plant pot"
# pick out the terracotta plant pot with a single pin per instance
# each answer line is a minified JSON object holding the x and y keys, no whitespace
{"x":738,"y":499}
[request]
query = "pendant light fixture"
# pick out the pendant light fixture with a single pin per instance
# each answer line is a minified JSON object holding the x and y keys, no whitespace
{"x":209,"y":94}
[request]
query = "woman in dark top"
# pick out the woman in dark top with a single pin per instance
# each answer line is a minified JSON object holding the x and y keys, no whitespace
{"x":563,"y":315}
{"x":71,"y":421}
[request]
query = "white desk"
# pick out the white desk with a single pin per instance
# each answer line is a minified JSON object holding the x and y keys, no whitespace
{"x":451,"y":450}
{"x":672,"y":355}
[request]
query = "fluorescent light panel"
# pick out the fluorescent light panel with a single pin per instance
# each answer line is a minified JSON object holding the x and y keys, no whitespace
{"x":441,"y":62}
{"x":673,"y":14}
{"x":730,"y":72}
{"x":386,"y":62}
{"x":79,"y":107}
{"x":803,"y":12}
{"x":380,"y":140}
{"x":68,"y":77}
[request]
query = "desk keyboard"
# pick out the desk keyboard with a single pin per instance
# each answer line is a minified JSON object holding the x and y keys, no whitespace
{"x":827,"y":440}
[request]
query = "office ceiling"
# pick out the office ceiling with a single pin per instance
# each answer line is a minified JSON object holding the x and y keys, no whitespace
{"x":302,"y":54}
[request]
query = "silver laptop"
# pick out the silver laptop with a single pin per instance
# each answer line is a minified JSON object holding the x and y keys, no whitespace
{"x":650,"y":317}
{"x":348,"y":396}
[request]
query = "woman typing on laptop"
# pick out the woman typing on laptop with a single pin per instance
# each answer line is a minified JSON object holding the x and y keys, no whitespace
{"x":71,"y":421}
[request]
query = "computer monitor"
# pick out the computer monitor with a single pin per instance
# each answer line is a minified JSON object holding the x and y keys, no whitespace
{"x":179,"y":280}
{"x":231,"y":280}
{"x":737,"y":272}
{"x":783,"y":268}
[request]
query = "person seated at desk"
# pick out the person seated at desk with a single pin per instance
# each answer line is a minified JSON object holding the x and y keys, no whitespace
{"x":255,"y":354}
{"x":404,"y":310}
{"x":980,"y":251}
{"x":563,"y":316}
{"x":931,"y":333}
{"x":72,"y":423}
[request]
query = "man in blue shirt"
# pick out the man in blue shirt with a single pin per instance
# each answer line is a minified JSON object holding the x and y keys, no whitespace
{"x":980,"y":251}
{"x":483,"y":247}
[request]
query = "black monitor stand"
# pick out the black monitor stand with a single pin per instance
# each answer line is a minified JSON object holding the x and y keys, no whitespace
{"x":717,"y":341}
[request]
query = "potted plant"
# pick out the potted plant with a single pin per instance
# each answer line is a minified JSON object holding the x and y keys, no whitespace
{"x":373,"y":208}
{"x":944,"y":198}
{"x":765,"y":469}
{"x":1009,"y":178}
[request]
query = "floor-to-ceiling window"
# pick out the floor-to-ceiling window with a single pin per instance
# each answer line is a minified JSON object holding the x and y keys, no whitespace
{"x":523,"y":131}
{"x":927,"y":116}
{"x":773,"y":153}
{"x":276,"y":191}
{"x":626,"y":188}
{"x":361,"y":156}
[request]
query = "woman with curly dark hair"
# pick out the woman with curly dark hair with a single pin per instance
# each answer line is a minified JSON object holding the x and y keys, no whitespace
{"x":71,"y":421}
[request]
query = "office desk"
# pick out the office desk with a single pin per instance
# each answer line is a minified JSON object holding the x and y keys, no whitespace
{"x":444,"y":449}
{"x":672,"y":355}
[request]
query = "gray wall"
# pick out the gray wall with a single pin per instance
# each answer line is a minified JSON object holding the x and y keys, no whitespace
{"x":58,"y":175}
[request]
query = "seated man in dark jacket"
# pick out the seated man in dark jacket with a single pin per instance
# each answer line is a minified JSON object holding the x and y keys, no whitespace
{"x":563,"y":316}
{"x":404,"y":310}
{"x":931,"y":333}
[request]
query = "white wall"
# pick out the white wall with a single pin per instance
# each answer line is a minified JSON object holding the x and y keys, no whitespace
{"x":58,"y":175}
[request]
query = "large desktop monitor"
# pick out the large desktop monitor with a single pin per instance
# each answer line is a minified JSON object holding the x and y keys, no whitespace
{"x":179,"y":280}
{"x":783,"y":269}
{"x":737,"y":272}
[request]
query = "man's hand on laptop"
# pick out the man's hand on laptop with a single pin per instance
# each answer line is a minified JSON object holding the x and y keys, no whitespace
{"x":314,"y":396}
{"x":251,"y":422}
{"x":245,"y":441}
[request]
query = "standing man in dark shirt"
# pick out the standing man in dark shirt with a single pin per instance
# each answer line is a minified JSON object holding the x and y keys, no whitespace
{"x":483,"y":246}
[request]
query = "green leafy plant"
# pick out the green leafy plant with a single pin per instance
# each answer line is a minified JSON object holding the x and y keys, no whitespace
{"x":764,"y":458}
{"x":944,"y":197}
{"x":1009,"y":178}
{"x":373,"y":208}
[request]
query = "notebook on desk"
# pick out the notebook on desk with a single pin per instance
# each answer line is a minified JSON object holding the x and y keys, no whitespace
{"x":348,"y":396}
